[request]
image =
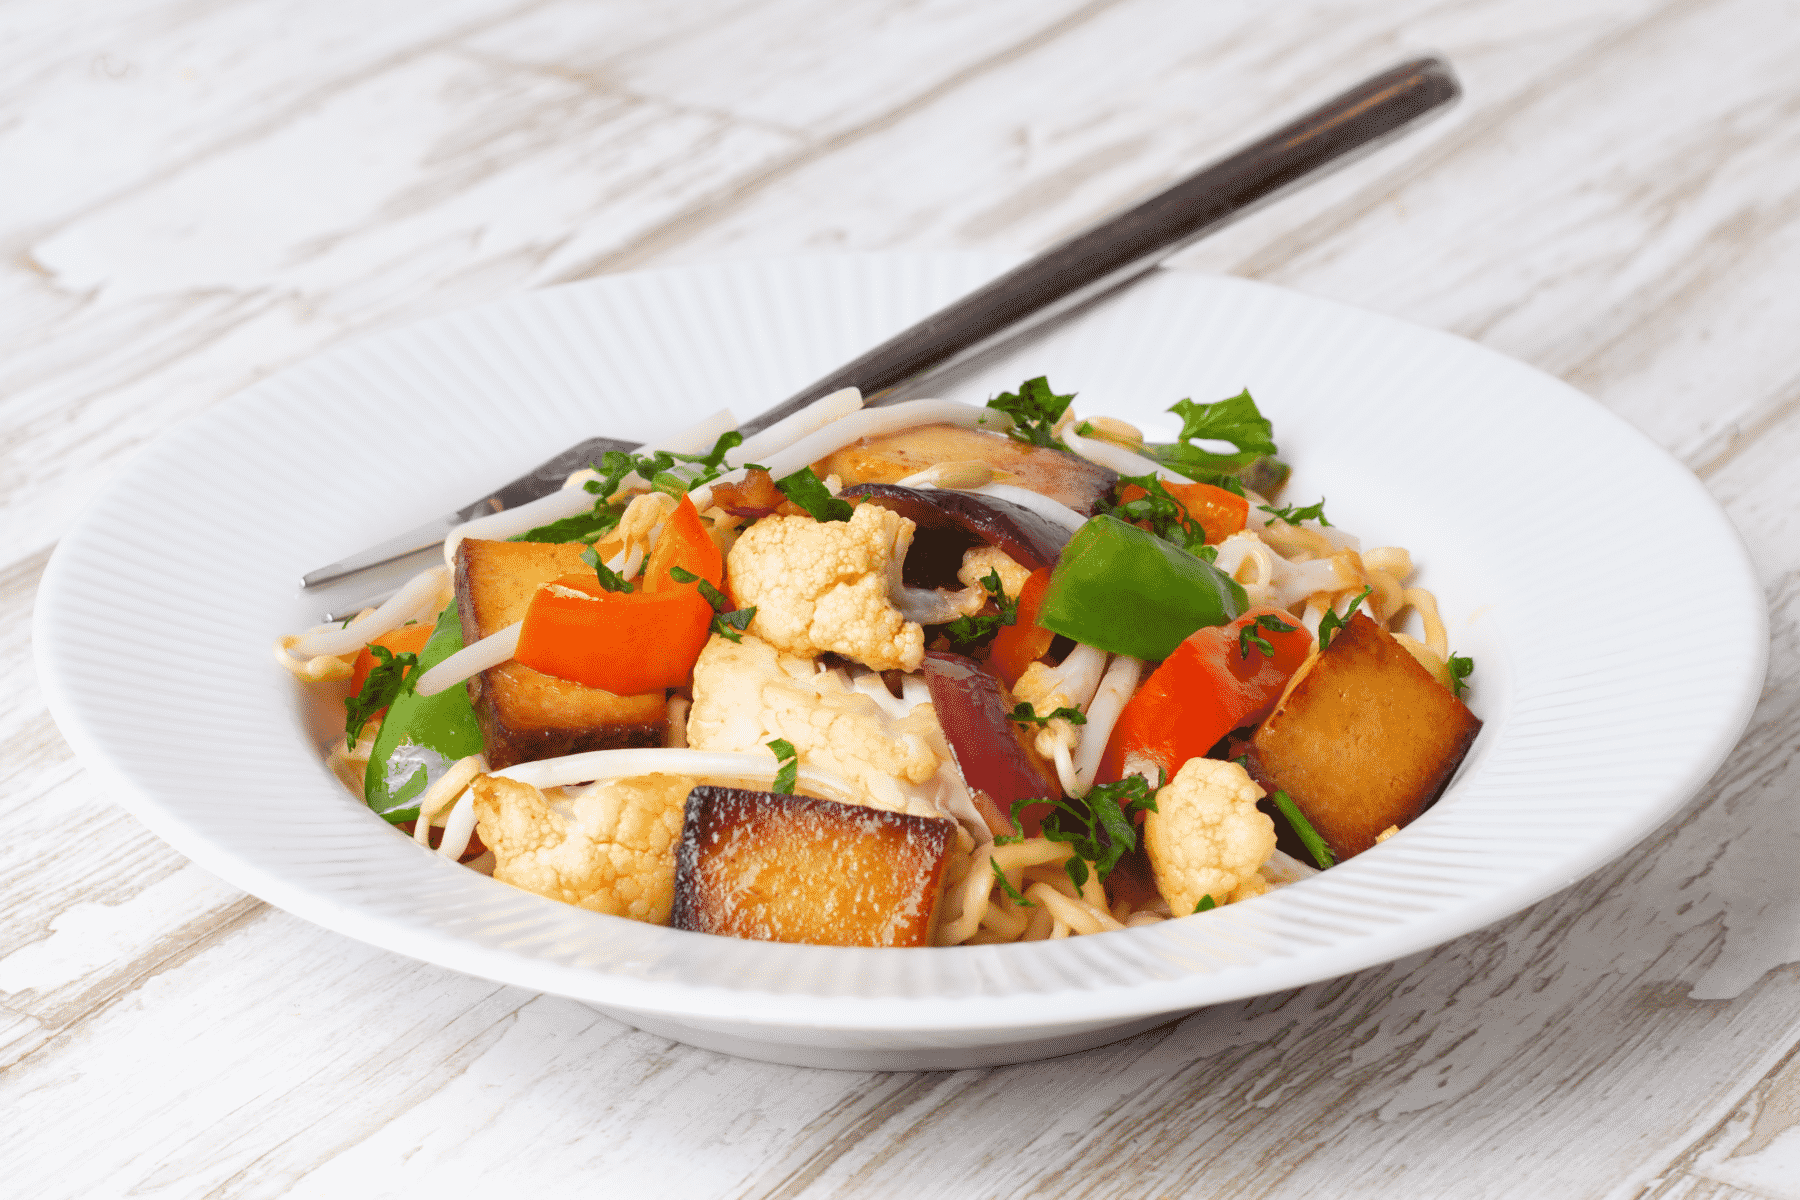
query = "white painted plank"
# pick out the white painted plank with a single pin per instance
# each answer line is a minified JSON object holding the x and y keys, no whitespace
{"x":1622,"y":168}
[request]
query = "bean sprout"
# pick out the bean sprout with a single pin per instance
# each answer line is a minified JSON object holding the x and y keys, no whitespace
{"x":788,"y":430}
{"x":470,"y":661}
{"x":568,"y":501}
{"x":1116,"y":687}
{"x":867,"y":422}
{"x":418,"y":598}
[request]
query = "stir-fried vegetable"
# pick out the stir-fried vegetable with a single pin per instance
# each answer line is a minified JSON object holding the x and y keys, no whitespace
{"x":1172,"y":510}
{"x":1219,"y":679}
{"x":422,"y":735}
{"x":1023,"y":642}
{"x":1126,"y":591}
{"x":629,"y":642}
{"x":1026,"y":775}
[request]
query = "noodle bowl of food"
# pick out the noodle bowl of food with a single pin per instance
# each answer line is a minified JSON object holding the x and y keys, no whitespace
{"x":850,"y":742}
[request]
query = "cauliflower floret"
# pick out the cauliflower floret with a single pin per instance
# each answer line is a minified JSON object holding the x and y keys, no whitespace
{"x":609,"y":847}
{"x":1042,"y":688}
{"x":746,"y":693}
{"x":1207,"y":837}
{"x":822,"y":586}
{"x":978,"y":561}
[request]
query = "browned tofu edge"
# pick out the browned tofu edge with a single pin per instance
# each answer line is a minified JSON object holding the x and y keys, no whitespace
{"x":1329,"y":742}
{"x":784,"y":868}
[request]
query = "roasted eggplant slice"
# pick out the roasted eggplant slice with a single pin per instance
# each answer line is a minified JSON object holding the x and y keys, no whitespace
{"x":1363,"y":739}
{"x":778,"y":868}
{"x":1064,"y":477}
{"x":524,"y":714}
{"x":997,"y":762}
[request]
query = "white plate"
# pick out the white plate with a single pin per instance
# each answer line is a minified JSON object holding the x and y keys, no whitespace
{"x":1618,"y":633}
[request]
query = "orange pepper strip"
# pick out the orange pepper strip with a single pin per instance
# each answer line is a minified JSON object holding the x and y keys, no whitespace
{"x":1023,"y":642}
{"x":1202,"y":692}
{"x":628,"y":643}
{"x":406,"y":639}
{"x":1219,"y":512}
{"x":683,"y":543}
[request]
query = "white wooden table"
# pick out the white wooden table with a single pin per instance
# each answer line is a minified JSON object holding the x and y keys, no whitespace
{"x":194,"y":195}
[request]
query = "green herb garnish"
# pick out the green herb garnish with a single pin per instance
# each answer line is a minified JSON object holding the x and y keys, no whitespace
{"x":1237,"y":421}
{"x":789,"y":773}
{"x":1099,"y":826}
{"x":1315,"y":845}
{"x":1006,"y":885}
{"x":1018,"y":822}
{"x":1167,"y":517}
{"x":727,"y":622}
{"x":809,"y":492}
{"x":1460,"y":667}
{"x":1205,"y":904}
{"x":1330,"y":623}
{"x":1293,"y":514}
{"x":966,"y":633}
{"x":1034,"y":410}
{"x":1026,"y":716}
{"x":1249,"y":636}
{"x":385,"y":683}
{"x":609,"y":579}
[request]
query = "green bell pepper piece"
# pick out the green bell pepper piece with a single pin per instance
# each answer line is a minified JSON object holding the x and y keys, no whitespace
{"x":422,"y":735}
{"x":1120,"y":589}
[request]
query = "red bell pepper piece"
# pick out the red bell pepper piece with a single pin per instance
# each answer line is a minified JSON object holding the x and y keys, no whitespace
{"x":1219,"y":512}
{"x":632,"y":642}
{"x":1204,"y":690}
{"x":1023,"y":642}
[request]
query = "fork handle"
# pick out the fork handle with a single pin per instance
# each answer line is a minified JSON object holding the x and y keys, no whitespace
{"x":1122,"y":247}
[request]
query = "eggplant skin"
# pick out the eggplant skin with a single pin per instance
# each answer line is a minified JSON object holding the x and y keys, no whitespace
{"x":784,"y":868}
{"x":994,"y":755}
{"x":950,"y":522}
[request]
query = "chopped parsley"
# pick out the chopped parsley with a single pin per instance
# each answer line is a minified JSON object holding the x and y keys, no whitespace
{"x":609,"y":579}
{"x":1034,"y":410}
{"x":1205,"y":904}
{"x":1167,"y":517}
{"x":1460,"y":668}
{"x":1006,"y":885}
{"x":1249,"y":636}
{"x":384,"y":685}
{"x":789,"y":773}
{"x":1018,"y":821}
{"x":1330,"y":623}
{"x":809,"y":492}
{"x":1025,"y":716}
{"x":1315,"y":845}
{"x":1099,"y":827}
{"x":1293,"y":514}
{"x":727,"y":622}
{"x":966,"y":633}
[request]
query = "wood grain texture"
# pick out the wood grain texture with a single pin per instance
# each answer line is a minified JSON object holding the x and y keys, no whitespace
{"x":199,"y":193}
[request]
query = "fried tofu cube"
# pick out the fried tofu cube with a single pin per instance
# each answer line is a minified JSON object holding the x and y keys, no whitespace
{"x":524,"y":714}
{"x":1062,"y":476}
{"x":1364,"y":738}
{"x":778,"y":868}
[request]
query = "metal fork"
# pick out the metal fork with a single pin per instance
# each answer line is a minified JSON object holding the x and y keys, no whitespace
{"x":1108,"y":256}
